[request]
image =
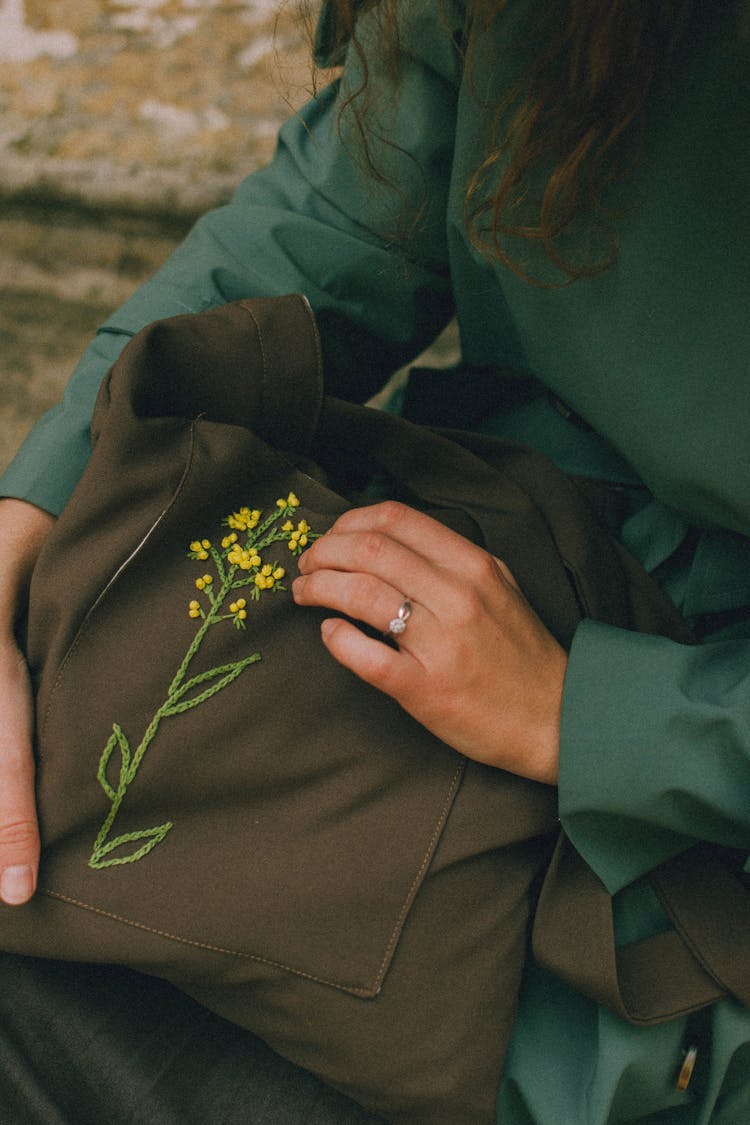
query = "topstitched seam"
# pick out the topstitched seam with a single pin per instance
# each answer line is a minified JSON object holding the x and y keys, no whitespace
{"x":420,"y":873}
{"x":83,"y":628}
{"x":356,"y":989}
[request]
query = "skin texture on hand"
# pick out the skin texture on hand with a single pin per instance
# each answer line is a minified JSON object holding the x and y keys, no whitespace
{"x":23,"y":529}
{"x":474,"y":665}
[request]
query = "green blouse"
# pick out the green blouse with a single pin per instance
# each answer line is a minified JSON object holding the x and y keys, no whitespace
{"x":654,"y":355}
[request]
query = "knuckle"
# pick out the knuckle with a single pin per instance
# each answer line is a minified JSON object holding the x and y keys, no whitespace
{"x":484,"y":568}
{"x":382,"y":673}
{"x":467,"y":607}
{"x":312,"y":587}
{"x":371,"y":546}
{"x":20,"y":835}
{"x":389,"y":513}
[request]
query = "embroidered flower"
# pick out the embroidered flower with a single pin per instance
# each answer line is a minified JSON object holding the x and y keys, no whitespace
{"x":264,"y":578}
{"x":268,"y":576}
{"x":199,"y":549}
{"x":194,"y":609}
{"x":244,"y":520}
{"x":290,"y":502}
{"x":239,"y":611}
{"x":298,"y":539}
{"x":203,"y":582}
{"x":243,"y":557}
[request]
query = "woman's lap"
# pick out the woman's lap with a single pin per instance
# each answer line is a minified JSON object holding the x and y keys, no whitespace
{"x":82,"y":1044}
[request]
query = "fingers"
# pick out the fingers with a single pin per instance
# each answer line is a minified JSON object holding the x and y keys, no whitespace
{"x":418,"y":533}
{"x":387,"y":572}
{"x":411,"y":553}
{"x":374,"y":558}
{"x":364,"y":597}
{"x":374,"y":602}
{"x":393,"y":671}
{"x":19,"y":835}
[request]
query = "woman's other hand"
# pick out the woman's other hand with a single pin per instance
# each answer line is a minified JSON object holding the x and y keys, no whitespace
{"x":474,"y":664}
{"x":23,"y":529}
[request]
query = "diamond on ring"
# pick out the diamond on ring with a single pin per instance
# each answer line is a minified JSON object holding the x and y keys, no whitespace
{"x":397,"y":625}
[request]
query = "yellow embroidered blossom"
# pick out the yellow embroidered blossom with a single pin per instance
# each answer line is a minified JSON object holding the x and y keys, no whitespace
{"x":298,"y":538}
{"x":290,"y":502}
{"x":238,"y":609}
{"x":228,"y":540}
{"x":206,"y":580}
{"x":199,"y":549}
{"x":194,"y":609}
{"x":243,"y":557}
{"x":268,"y":576}
{"x":288,"y":526}
{"x":244,"y":520}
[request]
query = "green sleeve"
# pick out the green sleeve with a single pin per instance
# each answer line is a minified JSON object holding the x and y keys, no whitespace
{"x":655,"y":749}
{"x":315,"y":221}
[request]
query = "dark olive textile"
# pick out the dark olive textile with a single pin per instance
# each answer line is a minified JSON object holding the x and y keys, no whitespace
{"x":96,"y":1044}
{"x":296,"y":852}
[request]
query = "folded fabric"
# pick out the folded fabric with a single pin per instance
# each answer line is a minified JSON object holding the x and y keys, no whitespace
{"x":224,"y":806}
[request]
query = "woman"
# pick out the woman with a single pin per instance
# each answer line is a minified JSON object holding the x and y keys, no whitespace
{"x":574,"y":186}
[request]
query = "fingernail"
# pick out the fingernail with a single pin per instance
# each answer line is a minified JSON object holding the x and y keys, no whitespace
{"x":297,"y":586}
{"x":17,"y":885}
{"x":327,"y":627}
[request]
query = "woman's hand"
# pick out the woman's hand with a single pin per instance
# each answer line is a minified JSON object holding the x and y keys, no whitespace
{"x":23,"y":529}
{"x":474,"y":664}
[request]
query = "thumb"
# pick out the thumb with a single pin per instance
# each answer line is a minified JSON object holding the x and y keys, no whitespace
{"x":19,"y":833}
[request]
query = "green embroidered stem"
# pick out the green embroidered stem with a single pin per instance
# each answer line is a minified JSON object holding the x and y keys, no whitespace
{"x":246,"y":562}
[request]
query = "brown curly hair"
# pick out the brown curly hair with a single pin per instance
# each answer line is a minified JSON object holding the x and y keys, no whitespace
{"x":563,"y":135}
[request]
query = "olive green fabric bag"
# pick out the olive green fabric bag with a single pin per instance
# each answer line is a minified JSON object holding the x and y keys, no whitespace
{"x":221,"y":804}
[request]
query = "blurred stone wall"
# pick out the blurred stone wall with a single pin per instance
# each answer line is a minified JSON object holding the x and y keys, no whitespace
{"x":149,"y":105}
{"x":120,"y":121}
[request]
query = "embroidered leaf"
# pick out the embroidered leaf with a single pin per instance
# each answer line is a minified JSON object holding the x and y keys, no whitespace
{"x":228,"y":672}
{"x":117,"y":738}
{"x":152,"y":836}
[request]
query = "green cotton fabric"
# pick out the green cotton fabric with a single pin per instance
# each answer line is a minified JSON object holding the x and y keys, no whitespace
{"x":654,"y":354}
